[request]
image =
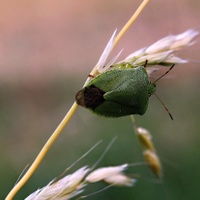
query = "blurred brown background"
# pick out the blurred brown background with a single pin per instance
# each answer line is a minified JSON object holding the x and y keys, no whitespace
{"x":47,"y":49}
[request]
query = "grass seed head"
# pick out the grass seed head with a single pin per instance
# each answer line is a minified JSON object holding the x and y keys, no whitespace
{"x":153,"y":162}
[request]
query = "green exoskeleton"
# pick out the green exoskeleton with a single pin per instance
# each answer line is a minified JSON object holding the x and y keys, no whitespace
{"x":121,"y":91}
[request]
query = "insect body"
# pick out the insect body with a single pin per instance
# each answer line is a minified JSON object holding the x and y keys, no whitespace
{"x":118,"y":92}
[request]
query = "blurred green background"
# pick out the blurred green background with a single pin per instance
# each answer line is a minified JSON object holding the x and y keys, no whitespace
{"x":47,"y":49}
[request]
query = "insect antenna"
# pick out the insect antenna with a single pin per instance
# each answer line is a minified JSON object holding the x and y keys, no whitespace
{"x":170,"y":115}
{"x":165,"y":73}
{"x":157,"y":95}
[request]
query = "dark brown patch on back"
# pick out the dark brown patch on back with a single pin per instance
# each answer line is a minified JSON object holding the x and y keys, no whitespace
{"x":90,"y":97}
{"x":93,"y":97}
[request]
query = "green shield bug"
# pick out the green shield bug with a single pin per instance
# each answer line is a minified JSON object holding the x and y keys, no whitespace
{"x":121,"y":91}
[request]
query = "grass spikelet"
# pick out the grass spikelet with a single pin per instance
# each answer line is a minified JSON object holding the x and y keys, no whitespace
{"x":162,"y":51}
{"x":149,"y":151}
{"x":153,"y":162}
{"x":111,"y":175}
{"x":65,"y":188}
{"x":74,"y":184}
